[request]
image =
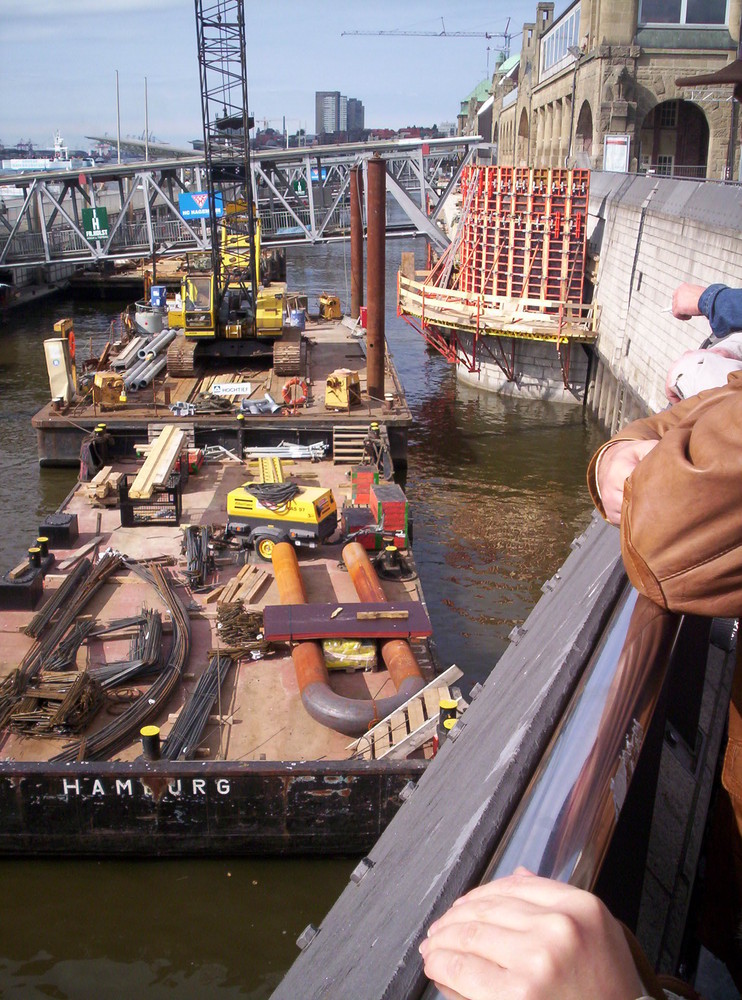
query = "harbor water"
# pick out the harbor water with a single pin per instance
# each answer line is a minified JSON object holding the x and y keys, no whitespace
{"x":497,"y":493}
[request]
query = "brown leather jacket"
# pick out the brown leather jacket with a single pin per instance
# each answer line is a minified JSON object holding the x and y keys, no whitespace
{"x":681,"y":520}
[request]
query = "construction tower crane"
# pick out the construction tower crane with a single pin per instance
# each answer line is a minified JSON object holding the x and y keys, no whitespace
{"x":397,"y":33}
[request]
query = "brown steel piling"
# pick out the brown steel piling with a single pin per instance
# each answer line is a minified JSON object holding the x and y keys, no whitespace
{"x":356,"y":241}
{"x":375,"y":261}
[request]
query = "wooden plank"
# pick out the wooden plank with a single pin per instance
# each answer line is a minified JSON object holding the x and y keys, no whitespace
{"x":398,"y":726}
{"x":83,"y":550}
{"x":284,"y":623}
{"x":100,"y":477}
{"x":159,"y":463}
{"x":19,"y":570}
{"x":431,"y":699}
{"x":372,"y":616}
{"x":382,"y":740}
{"x":415,"y":714}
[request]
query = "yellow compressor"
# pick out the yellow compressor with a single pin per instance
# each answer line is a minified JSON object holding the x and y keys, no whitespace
{"x":264,"y":514}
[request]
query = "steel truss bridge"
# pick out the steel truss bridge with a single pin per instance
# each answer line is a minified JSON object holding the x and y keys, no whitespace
{"x":302,"y":196}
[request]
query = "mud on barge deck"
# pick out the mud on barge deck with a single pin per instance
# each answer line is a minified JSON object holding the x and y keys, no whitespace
{"x":264,"y":777}
{"x":327,"y":346}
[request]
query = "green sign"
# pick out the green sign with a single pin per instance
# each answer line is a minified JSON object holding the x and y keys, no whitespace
{"x":95,"y":223}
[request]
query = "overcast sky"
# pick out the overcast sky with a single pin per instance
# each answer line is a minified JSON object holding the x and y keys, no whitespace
{"x":58,"y":60}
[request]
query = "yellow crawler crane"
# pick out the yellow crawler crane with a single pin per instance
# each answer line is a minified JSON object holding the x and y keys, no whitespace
{"x":226,"y":324}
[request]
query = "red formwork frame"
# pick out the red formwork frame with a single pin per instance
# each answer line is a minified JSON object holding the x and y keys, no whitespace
{"x":524,"y":234}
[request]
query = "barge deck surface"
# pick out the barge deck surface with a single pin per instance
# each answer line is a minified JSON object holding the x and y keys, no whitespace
{"x":328,"y":345}
{"x":264,"y":717}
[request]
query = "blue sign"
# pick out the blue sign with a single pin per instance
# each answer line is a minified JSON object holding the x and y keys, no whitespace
{"x":196,"y":205}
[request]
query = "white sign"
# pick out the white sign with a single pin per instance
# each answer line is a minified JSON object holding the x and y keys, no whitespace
{"x":231,"y":389}
{"x":616,"y":153}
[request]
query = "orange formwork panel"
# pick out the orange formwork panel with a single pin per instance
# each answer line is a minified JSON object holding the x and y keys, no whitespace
{"x":524,"y":234}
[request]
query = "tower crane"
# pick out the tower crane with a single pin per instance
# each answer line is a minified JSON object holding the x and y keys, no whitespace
{"x":443,"y":33}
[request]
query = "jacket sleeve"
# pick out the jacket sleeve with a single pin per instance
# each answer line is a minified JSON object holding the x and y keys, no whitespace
{"x":681,"y":521}
{"x":722,"y":306}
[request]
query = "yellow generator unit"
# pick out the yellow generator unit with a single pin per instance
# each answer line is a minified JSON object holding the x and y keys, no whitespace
{"x":343,"y":389}
{"x":107,"y":389}
{"x":263,"y":514}
{"x":329,"y":306}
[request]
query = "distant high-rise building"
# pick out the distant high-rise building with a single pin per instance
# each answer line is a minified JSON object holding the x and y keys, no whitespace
{"x":356,"y":118}
{"x":336,"y":113}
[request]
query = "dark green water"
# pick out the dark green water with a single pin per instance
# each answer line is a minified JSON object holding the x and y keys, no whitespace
{"x":497,"y":490}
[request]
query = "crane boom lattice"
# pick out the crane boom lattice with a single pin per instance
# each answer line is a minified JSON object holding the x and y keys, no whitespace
{"x":220,"y":31}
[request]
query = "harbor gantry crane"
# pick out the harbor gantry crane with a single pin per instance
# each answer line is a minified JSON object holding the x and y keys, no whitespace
{"x":443,"y":33}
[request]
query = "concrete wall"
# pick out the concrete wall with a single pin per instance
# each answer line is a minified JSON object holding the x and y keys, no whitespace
{"x":650,"y":234}
{"x":540,"y":370}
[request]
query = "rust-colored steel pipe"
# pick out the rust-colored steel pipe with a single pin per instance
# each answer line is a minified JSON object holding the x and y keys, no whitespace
{"x":350,"y":716}
{"x":375,"y":265}
{"x":356,"y":241}
{"x":397,"y":655}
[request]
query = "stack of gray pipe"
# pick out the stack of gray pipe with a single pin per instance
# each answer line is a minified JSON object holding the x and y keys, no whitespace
{"x":124,"y":359}
{"x":151,"y":360}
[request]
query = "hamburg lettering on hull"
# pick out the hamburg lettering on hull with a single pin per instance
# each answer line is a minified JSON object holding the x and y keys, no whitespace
{"x":129,"y":787}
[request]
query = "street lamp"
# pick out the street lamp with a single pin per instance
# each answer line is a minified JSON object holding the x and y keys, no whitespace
{"x":576,"y":52}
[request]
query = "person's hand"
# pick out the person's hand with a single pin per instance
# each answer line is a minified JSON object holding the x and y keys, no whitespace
{"x":685,"y":300}
{"x":529,"y":937}
{"x":615,"y":465}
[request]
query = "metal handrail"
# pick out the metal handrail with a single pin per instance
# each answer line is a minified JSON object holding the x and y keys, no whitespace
{"x":565,"y":821}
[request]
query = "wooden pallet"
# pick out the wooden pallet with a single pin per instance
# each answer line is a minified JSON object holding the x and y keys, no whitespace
{"x":287,"y":359}
{"x":244,"y":587}
{"x":348,"y":444}
{"x":189,"y":429}
{"x":412,"y":724}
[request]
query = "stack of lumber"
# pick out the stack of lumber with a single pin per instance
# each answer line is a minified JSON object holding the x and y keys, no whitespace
{"x":159,"y":463}
{"x":245,"y":587}
{"x":103,"y":489}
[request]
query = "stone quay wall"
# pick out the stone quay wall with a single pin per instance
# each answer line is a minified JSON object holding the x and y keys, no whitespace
{"x":648,"y":234}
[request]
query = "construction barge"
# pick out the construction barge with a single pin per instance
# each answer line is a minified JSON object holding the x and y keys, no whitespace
{"x":259,"y":411}
{"x":165,"y":686}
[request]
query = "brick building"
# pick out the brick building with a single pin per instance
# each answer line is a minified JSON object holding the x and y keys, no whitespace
{"x":600,"y":78}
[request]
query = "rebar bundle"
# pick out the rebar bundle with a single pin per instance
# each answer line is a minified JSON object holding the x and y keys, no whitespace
{"x":185,"y":736}
{"x":57,"y":706}
{"x":240,"y":630}
{"x":196,"y":543}
{"x":144,"y":652}
{"x":118,"y":734}
{"x":54,"y":627}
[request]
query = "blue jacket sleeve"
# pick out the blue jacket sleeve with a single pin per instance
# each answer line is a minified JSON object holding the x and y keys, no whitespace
{"x":722,"y":306}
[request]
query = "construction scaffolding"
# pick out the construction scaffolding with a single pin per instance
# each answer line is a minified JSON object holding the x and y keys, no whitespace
{"x":515,"y":269}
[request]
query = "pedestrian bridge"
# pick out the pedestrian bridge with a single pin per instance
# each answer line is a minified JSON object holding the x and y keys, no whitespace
{"x":302,"y":196}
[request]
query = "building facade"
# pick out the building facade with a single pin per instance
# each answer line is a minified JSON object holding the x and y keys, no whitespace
{"x":595,"y":87}
{"x":334,"y":113}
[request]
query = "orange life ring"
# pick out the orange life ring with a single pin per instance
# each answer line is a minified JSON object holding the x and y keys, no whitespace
{"x":71,"y":342}
{"x":288,"y":396}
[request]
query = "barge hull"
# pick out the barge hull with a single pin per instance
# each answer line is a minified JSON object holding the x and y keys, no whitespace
{"x":167,"y":809}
